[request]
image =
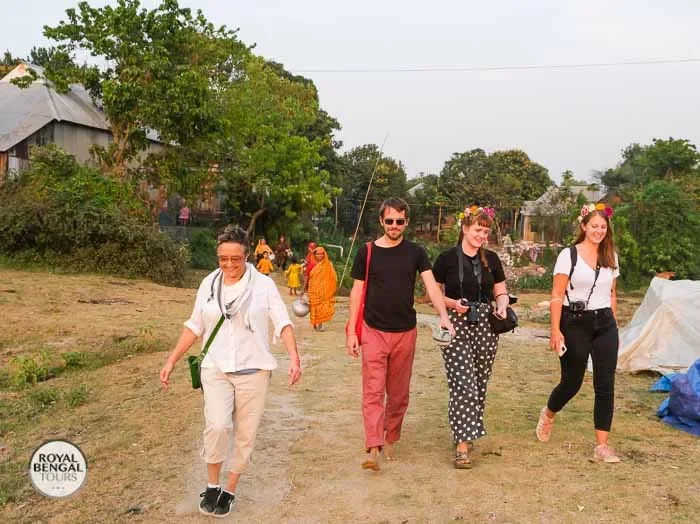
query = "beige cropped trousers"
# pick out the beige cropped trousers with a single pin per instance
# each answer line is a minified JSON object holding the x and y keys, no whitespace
{"x":233,"y":405}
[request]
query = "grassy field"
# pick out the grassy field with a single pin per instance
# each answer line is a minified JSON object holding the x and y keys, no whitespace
{"x":94,"y":346}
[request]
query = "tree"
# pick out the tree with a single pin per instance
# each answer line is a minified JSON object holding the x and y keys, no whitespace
{"x":51,"y":58}
{"x":670,"y":159}
{"x":166,"y":68}
{"x":358,"y":164}
{"x":663,"y":219}
{"x":267,"y":162}
{"x":8,"y":63}
{"x":503,"y":179}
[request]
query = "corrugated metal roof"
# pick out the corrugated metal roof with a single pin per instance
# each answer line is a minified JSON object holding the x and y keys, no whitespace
{"x":25,"y":111}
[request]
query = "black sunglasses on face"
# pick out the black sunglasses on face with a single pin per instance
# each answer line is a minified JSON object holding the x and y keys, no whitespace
{"x":390,"y":221}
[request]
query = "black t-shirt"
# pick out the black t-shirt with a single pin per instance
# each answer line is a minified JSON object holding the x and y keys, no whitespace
{"x":446,"y":272}
{"x":391,"y":283}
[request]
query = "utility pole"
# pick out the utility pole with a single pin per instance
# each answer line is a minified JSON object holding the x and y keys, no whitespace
{"x":437,"y":239}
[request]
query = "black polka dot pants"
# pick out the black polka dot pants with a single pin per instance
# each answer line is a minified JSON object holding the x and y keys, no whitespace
{"x":468,"y":362}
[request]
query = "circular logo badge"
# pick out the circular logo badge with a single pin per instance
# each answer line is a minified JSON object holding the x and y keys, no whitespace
{"x":57,"y":469}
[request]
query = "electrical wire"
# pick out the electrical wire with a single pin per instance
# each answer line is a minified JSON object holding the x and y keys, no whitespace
{"x":472,"y":69}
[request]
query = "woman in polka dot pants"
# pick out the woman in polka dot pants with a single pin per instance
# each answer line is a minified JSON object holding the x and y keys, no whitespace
{"x":469,"y":356}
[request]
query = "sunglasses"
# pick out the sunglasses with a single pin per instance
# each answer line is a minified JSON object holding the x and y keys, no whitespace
{"x":390,"y":221}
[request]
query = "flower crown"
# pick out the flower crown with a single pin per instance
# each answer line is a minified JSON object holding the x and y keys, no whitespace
{"x":589,"y":208}
{"x":476,"y":210}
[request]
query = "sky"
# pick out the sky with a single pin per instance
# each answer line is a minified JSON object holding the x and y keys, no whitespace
{"x":573,"y":118}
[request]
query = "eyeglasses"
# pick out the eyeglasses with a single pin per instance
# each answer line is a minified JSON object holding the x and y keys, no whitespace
{"x":390,"y":221}
{"x":233,"y":260}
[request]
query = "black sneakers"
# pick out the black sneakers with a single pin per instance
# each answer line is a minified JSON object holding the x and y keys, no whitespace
{"x":223,"y":505}
{"x":209,"y":498}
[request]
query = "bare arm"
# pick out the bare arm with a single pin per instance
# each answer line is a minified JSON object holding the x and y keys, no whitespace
{"x":184,"y":343}
{"x":555,"y":307}
{"x":290,"y":342}
{"x":500,"y":292}
{"x":351,"y":342}
{"x":437,"y":299}
{"x":613,"y":298}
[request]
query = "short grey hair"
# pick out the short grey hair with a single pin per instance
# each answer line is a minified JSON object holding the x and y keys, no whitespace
{"x":233,"y":233}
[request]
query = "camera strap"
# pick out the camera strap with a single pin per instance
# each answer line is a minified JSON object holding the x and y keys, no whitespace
{"x":460,"y":264}
{"x":574,"y":258}
{"x":476,"y":267}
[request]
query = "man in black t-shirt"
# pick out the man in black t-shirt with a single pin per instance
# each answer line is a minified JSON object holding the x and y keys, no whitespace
{"x":389,"y":329}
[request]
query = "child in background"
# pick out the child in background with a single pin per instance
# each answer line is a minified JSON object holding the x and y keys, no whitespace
{"x":265,"y":265}
{"x":293,"y":274}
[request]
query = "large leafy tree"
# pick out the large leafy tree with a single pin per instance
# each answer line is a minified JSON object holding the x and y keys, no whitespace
{"x":658,"y":224}
{"x":672,"y":159}
{"x":165,"y":68}
{"x":271,"y":168}
{"x":503,"y":179}
{"x":357,"y":167}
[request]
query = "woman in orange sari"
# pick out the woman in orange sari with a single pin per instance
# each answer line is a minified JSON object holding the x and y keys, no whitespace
{"x":321,"y":286}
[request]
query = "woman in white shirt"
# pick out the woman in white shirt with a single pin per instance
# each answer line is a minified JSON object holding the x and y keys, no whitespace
{"x":236,"y":369}
{"x":583,"y":323}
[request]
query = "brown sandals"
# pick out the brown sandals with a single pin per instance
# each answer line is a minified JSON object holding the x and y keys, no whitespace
{"x":462,"y":460}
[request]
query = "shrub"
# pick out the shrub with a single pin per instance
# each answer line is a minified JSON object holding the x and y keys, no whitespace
{"x":79,"y":360}
{"x":64,"y":214}
{"x":43,"y":398}
{"x":658,"y":232}
{"x":202,"y":245}
{"x":28,"y":370}
{"x":77,"y":396}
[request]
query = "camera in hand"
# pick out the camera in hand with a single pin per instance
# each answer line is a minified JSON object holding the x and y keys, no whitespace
{"x":577,"y":307}
{"x":473,"y":313}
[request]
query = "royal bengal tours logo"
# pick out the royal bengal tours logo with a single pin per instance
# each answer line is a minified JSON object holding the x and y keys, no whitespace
{"x":58,"y":468}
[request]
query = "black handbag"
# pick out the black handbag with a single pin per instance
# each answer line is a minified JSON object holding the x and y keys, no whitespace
{"x":503,"y":325}
{"x":498,"y":325}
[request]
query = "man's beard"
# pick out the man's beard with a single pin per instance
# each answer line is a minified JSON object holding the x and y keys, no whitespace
{"x":394,"y":235}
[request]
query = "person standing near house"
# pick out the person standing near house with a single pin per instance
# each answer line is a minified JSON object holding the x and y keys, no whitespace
{"x":583,"y":324}
{"x":184,"y":215}
{"x":389,"y":329}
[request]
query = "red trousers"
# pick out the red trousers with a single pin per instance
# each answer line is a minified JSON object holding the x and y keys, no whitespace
{"x":387,"y":363}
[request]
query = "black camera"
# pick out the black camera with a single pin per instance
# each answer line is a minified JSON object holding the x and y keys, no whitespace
{"x":577,"y":307}
{"x":473,"y":313}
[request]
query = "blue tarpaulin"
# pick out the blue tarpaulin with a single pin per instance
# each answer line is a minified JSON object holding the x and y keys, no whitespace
{"x":663,"y":385}
{"x":682,"y":407}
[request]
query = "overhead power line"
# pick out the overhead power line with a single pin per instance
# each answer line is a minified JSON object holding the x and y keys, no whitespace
{"x":469,"y":69}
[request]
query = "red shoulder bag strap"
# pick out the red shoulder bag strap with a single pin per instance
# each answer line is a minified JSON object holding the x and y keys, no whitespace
{"x":361,"y":312}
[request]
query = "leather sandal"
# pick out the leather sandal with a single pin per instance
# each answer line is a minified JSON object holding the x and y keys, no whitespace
{"x":462,"y":460}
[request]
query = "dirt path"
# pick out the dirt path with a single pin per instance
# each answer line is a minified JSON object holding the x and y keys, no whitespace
{"x":143,"y":442}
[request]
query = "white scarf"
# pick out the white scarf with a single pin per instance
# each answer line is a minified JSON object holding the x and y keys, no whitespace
{"x":241,"y":305}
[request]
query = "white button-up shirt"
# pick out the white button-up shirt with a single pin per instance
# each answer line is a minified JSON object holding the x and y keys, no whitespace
{"x":235,"y":347}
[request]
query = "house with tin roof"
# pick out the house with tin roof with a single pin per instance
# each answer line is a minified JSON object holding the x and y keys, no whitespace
{"x":40,"y":115}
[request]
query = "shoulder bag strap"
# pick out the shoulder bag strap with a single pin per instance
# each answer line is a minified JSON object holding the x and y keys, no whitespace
{"x":573,"y":253}
{"x":460,"y":269}
{"x":595,"y":279}
{"x":369,"y":257}
{"x":211,"y":338}
{"x":478,"y":270}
